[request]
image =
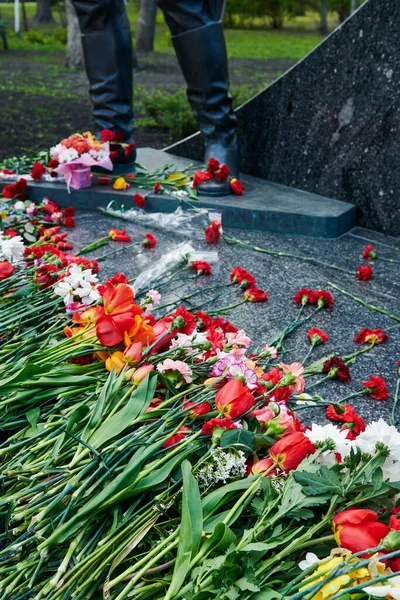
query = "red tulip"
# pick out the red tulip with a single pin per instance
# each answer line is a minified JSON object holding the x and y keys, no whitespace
{"x":288,"y":452}
{"x":133,"y":353}
{"x":6,"y":269}
{"x":358,"y":529}
{"x":234,"y":399}
{"x":141,"y":373}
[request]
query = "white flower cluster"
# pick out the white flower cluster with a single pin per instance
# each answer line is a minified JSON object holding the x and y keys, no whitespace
{"x":80,"y":285}
{"x":223,"y":466}
{"x":11,"y":249}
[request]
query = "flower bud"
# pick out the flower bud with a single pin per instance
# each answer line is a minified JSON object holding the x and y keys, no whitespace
{"x":141,"y":373}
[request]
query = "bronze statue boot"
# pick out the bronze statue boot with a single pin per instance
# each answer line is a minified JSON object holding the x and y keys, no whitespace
{"x":201,"y":53}
{"x":107,"y":49}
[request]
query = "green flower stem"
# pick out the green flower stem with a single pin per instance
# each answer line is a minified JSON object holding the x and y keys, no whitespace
{"x":383,"y":311}
{"x":395,"y":403}
{"x":389,"y":260}
{"x":307,"y":356}
{"x":94,"y":245}
{"x":350,"y":357}
{"x":232,"y":240}
{"x":117,"y":251}
{"x":218,"y":311}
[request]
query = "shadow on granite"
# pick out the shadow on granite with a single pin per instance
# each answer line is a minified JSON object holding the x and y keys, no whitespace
{"x":330,"y":125}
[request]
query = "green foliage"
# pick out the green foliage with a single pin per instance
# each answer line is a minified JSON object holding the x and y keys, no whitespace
{"x":272,"y":12}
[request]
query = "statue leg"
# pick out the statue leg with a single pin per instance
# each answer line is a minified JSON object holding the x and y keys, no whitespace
{"x":198,"y":38}
{"x":107,"y":49}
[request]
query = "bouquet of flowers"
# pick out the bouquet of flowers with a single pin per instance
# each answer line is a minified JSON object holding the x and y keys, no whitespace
{"x":74,"y":156}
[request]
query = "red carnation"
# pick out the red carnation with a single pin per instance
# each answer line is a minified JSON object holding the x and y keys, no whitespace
{"x":364,"y":273}
{"x":10,"y":233}
{"x":203,"y":320}
{"x":119,"y":278}
{"x":323,"y":299}
{"x":139,"y":200}
{"x":107,"y":135}
{"x":376,"y":388}
{"x":243,"y":277}
{"x":316,"y":336}
{"x":69,"y":211}
{"x":149,"y":241}
{"x":345,"y":413}
{"x":53,"y":163}
{"x":9,"y":190}
{"x":354,"y":427}
{"x":213,"y":165}
{"x":237,"y":187}
{"x":222,"y":174}
{"x":37,"y":171}
{"x":336,"y":369}
{"x":369,"y":252}
{"x":371,"y":336}
{"x":217,"y":423}
{"x":201,"y":267}
{"x":253,"y":294}
{"x":6,"y":269}
{"x":212,"y":234}
{"x":43,"y":277}
{"x":178,"y":437}
{"x":304,"y":296}
{"x":21,"y":185}
{"x":201,"y":177}
{"x":50,"y":207}
{"x":69,"y":222}
{"x":184,"y":321}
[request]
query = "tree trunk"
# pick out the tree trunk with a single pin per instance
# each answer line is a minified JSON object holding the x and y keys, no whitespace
{"x":146,"y":26}
{"x":74,"y":57}
{"x":354,"y":5}
{"x":324,"y":17}
{"x":43,"y":12}
{"x":24,"y":16}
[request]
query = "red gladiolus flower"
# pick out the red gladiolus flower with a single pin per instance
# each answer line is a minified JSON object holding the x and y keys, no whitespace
{"x":316,"y":336}
{"x":222,"y":174}
{"x":183,"y":321}
{"x":139,"y":200}
{"x":69,"y":222}
{"x":304,"y":296}
{"x":212,"y":233}
{"x":225,"y":423}
{"x":178,"y":437}
{"x":129,"y":149}
{"x":213,"y":165}
{"x":323,"y":299}
{"x":201,"y":177}
{"x":119,"y":235}
{"x":369,"y":253}
{"x":336,"y":369}
{"x":364,"y":273}
{"x":149,"y":241}
{"x":198,"y":410}
{"x":237,"y":187}
{"x":6,"y":269}
{"x":376,"y":388}
{"x":358,"y":529}
{"x":371,"y":336}
{"x":201,"y":267}
{"x":288,"y":452}
{"x":104,"y":180}
{"x":37,"y":171}
{"x":253,"y":294}
{"x":234,"y":399}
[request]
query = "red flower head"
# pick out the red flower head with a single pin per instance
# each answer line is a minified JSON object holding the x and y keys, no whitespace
{"x":114,"y":156}
{"x":288,"y":452}
{"x":178,"y":437}
{"x":139,"y":200}
{"x":234,"y":399}
{"x":358,"y":529}
{"x":316,"y":336}
{"x":133,"y":353}
{"x":394,"y":522}
{"x":183,"y":321}
{"x":104,"y":180}
{"x":37,"y":171}
{"x":50,"y":207}
{"x":323,"y":299}
{"x":223,"y":423}
{"x":203,"y":320}
{"x":119,"y":299}
{"x":129,"y":149}
{"x":6,"y":269}
{"x":212,"y":232}
{"x":10,"y":233}
{"x":201,"y":177}
{"x":253,"y":294}
{"x":262,"y":466}
{"x":53,"y":163}
{"x":43,"y":277}
{"x":237,"y":187}
{"x":149,"y":241}
{"x":213,"y":165}
{"x":369,"y":253}
{"x":69,"y":211}
{"x":376,"y":388}
{"x":222,"y":174}
{"x":119,"y":278}
{"x":69,"y":222}
{"x":119,"y":235}
{"x":201,"y":267}
{"x":9,"y":191}
{"x":345,"y":413}
{"x":364,"y":273}
{"x":354,"y":427}
{"x":304,"y":296}
{"x":109,"y":136}
{"x":197,"y":409}
{"x":371,"y":336}
{"x":336,"y":369}
{"x":157,"y":187}
{"x":272,"y":379}
{"x":242,"y":277}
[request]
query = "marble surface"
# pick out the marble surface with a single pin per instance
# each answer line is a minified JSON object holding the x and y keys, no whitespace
{"x":282,"y":277}
{"x":331,"y":124}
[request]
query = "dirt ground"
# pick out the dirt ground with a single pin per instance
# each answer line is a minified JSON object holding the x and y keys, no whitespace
{"x":41,"y":101}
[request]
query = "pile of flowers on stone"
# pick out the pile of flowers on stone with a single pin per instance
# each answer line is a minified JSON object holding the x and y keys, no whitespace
{"x":155,"y":453}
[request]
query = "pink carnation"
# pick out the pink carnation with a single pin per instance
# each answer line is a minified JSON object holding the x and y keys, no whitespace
{"x":176,"y":365}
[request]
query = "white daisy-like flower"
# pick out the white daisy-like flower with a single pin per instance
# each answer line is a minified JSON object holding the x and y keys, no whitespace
{"x":12,"y":249}
{"x":19,"y":205}
{"x":391,"y":470}
{"x":87,"y":292}
{"x":66,"y":154}
{"x":65,"y":290}
{"x":380,"y":432}
{"x":310,"y":560}
{"x":321,"y":434}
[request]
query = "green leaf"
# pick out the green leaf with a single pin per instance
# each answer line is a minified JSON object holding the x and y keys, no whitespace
{"x":316,"y":367}
{"x":189,"y":531}
{"x":109,"y":390}
{"x":219,"y":496}
{"x":32,"y":417}
{"x":237,"y":437}
{"x":267,"y":594}
{"x":322,"y":482}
